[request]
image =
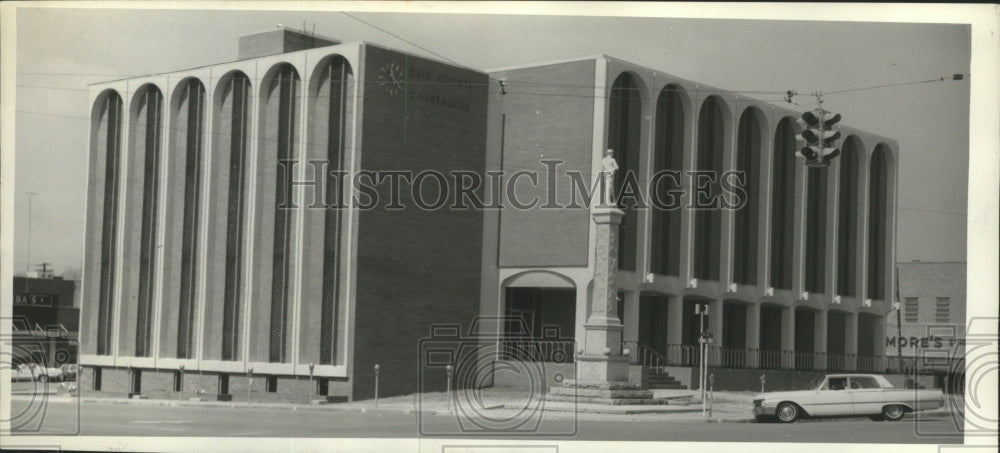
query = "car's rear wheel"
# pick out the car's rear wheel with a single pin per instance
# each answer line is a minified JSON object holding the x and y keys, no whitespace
{"x":43,"y":378}
{"x":893,"y":412}
{"x":787,"y":412}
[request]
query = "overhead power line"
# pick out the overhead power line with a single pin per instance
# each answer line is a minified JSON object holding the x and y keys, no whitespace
{"x":400,"y":38}
{"x":939,"y":79}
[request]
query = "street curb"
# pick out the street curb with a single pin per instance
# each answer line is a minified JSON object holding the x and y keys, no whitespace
{"x":405,"y":410}
{"x":686,"y":416}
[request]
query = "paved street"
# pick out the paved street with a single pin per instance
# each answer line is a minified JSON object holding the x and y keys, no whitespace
{"x":131,"y":419}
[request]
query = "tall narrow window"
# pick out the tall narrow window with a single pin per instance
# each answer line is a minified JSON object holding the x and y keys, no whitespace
{"x":847,"y":218}
{"x":782,"y":205}
{"x":878,"y":220}
{"x":109,"y":138}
{"x":815,"y":267}
{"x":335,"y":93}
{"x":237,"y":93}
{"x":623,"y":137}
{"x":148,"y":123}
{"x":708,"y":219}
{"x":192,"y":107}
{"x":283,"y":92}
{"x":747,"y":217}
{"x":667,"y":157}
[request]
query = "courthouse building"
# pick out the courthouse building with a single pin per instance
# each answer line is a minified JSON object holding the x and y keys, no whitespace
{"x":800,"y":278}
{"x":197,"y":276}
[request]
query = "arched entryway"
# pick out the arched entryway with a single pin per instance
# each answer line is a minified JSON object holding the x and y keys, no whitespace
{"x":539,"y":317}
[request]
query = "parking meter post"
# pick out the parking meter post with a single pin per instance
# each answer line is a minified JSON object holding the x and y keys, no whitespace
{"x":180,"y":385}
{"x":711,"y":394}
{"x":376,"y":385}
{"x":763,"y":380}
{"x":311,"y":387}
{"x":249,"y":383}
{"x":450,"y":369}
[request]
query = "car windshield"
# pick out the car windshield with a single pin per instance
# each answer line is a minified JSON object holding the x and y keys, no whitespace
{"x":814,"y":383}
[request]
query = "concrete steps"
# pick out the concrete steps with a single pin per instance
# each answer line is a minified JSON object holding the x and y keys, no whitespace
{"x":665,"y":381}
{"x":600,"y":393}
{"x":610,"y":401}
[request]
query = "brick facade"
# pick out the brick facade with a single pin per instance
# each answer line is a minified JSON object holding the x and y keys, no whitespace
{"x":926,"y":282}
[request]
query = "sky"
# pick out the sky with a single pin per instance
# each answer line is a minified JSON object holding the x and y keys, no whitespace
{"x":61,"y":50}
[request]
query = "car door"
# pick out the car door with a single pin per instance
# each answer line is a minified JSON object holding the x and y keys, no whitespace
{"x":867,"y":394}
{"x":833,"y":398}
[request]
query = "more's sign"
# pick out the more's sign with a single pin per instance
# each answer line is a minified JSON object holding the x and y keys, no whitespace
{"x":37,"y":300}
{"x":922,"y":339}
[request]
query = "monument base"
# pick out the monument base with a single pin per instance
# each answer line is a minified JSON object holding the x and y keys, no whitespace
{"x":613,"y":393}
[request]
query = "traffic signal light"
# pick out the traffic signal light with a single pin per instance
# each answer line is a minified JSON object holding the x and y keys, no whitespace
{"x":819,"y":137}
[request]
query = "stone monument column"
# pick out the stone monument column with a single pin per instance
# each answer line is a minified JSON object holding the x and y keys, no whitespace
{"x":602,"y":360}
{"x":602,"y":370}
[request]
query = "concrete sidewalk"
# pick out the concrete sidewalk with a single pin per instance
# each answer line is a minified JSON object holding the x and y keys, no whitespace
{"x":491,"y":402}
{"x":727,"y":407}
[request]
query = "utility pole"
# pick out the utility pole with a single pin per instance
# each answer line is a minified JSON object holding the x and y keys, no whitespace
{"x":899,"y":324}
{"x":43,"y":269}
{"x":30,"y":196}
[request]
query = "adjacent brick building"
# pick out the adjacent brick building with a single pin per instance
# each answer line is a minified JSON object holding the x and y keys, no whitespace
{"x":931,"y":316}
{"x":45,"y":320}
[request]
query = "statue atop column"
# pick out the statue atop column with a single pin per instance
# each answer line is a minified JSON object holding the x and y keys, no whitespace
{"x":609,"y":167}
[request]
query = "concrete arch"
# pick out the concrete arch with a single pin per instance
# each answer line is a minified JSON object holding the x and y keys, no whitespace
{"x":278,"y":142}
{"x":881,"y":200}
{"x":762,"y":119}
{"x":219,"y":91}
{"x":669,"y":142}
{"x":100,"y":101}
{"x":783,"y":167}
{"x":725,"y":110}
{"x":232,"y":107}
{"x":272,"y":72}
{"x":850,"y":182}
{"x":329,"y":110}
{"x":137,"y":97}
{"x":626,"y":104}
{"x":177,"y":89}
{"x":104,"y":191}
{"x":683,"y":94}
{"x":185,"y":164}
{"x":751,"y":136}
{"x":315,"y":78}
{"x":543,"y":278}
{"x":713,"y":135}
{"x":143,"y":173}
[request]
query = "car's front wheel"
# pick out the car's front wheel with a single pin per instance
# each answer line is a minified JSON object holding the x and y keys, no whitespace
{"x":893,"y":412}
{"x":43,"y":378}
{"x":787,"y":412}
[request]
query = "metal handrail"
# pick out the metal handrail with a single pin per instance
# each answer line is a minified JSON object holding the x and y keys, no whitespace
{"x":642,"y":354}
{"x":689,"y":355}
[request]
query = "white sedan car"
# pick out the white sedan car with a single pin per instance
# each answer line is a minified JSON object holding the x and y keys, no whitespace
{"x":35,"y":372}
{"x":846,"y":395}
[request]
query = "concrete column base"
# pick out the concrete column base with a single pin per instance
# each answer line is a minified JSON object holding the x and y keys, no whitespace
{"x":601,"y":369}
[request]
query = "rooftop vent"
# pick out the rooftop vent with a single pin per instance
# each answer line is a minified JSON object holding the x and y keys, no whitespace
{"x":282,"y":40}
